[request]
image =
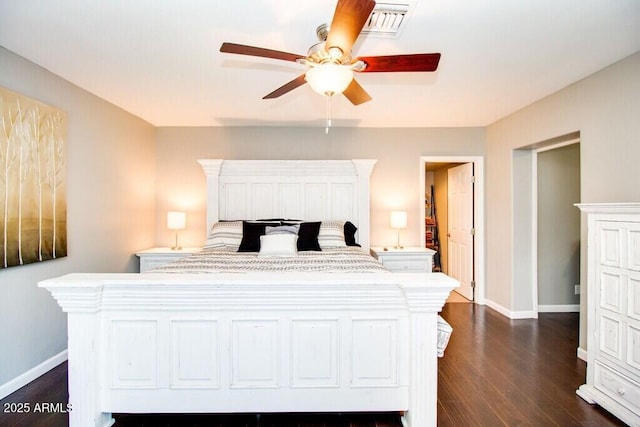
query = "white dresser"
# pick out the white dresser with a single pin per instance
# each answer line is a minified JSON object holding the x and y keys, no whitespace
{"x":613,"y":341}
{"x":407,"y":260}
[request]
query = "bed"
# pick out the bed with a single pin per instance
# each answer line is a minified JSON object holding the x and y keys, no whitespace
{"x":216,"y":340}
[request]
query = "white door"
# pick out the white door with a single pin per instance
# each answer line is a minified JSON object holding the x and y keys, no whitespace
{"x":460,"y":227}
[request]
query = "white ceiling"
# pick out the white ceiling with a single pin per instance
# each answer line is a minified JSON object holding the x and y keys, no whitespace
{"x":160,"y":59}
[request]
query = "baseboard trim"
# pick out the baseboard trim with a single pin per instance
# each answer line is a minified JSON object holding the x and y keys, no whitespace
{"x":559,"y":308}
{"x":529,"y":314}
{"x":21,"y":380}
{"x":582,"y":354}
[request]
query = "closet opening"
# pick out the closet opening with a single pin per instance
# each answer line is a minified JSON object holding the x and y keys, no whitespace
{"x":452,"y":206}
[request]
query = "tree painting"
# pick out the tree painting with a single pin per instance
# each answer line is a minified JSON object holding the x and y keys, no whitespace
{"x":33,"y":208}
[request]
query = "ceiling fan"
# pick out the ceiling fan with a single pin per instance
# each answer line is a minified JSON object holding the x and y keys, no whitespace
{"x":330,"y":63}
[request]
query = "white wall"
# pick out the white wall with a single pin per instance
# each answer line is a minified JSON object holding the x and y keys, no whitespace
{"x":395,"y":182}
{"x":110,"y":212}
{"x":604,"y":108}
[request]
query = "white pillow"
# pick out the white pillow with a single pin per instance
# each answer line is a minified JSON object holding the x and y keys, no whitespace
{"x":278,"y":245}
{"x":331,"y":235}
{"x":225,"y":234}
{"x":283,"y":229}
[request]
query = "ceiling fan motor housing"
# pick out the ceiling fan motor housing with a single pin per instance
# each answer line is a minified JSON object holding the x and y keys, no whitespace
{"x":320,"y":55}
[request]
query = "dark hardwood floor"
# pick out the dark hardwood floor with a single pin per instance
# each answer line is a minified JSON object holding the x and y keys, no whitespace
{"x":496,"y":372}
{"x":502,"y":372}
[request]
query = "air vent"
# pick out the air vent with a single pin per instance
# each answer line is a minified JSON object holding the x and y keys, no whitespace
{"x":386,"y":19}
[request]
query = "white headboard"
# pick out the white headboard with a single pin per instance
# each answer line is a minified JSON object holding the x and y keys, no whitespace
{"x":311,"y":190}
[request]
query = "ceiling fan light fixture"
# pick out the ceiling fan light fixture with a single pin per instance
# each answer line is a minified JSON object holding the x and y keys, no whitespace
{"x":329,"y":79}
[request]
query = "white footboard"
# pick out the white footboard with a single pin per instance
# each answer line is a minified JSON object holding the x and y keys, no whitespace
{"x":251,"y":343}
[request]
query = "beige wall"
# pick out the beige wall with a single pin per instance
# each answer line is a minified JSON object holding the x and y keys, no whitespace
{"x":110,"y":211}
{"x":604,"y":108}
{"x":395,"y":182}
{"x":558,"y":226}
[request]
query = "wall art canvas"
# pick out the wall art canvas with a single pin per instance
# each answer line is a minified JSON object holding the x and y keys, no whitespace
{"x":33,"y":207}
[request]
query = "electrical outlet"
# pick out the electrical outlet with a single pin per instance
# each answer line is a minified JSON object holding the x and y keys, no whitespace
{"x":577,"y":289}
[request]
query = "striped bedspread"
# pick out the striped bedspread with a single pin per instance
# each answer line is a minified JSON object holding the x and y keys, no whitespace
{"x":347,"y":259}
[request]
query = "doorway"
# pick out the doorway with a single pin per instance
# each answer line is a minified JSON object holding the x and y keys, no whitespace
{"x":557,"y":169}
{"x":525,"y":240}
{"x":472,"y":272}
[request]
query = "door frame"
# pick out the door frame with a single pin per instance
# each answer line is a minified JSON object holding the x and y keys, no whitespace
{"x":478,"y":212}
{"x":534,"y":216}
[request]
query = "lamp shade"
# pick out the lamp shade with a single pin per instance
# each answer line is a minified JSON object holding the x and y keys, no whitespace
{"x":176,"y":220}
{"x":398,"y":219}
{"x":329,"y":79}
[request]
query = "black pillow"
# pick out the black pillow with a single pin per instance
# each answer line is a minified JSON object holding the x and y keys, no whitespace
{"x":251,"y":232}
{"x":350,"y":234}
{"x":308,"y":236}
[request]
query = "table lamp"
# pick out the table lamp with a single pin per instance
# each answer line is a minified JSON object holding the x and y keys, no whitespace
{"x":176,"y":221}
{"x":398,"y":221}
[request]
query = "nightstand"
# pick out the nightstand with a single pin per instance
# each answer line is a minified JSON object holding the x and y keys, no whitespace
{"x":156,"y":257}
{"x":405,"y":260}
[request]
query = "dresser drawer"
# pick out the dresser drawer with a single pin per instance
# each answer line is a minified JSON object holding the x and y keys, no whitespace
{"x":150,"y":263}
{"x":621,"y":389}
{"x":157,"y":257}
{"x":418,"y":264}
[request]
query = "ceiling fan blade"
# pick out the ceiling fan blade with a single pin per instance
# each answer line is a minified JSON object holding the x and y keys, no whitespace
{"x":348,"y":20}
{"x":393,"y":63}
{"x":297,"y":82}
{"x":356,"y":94}
{"x":259,"y":51}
